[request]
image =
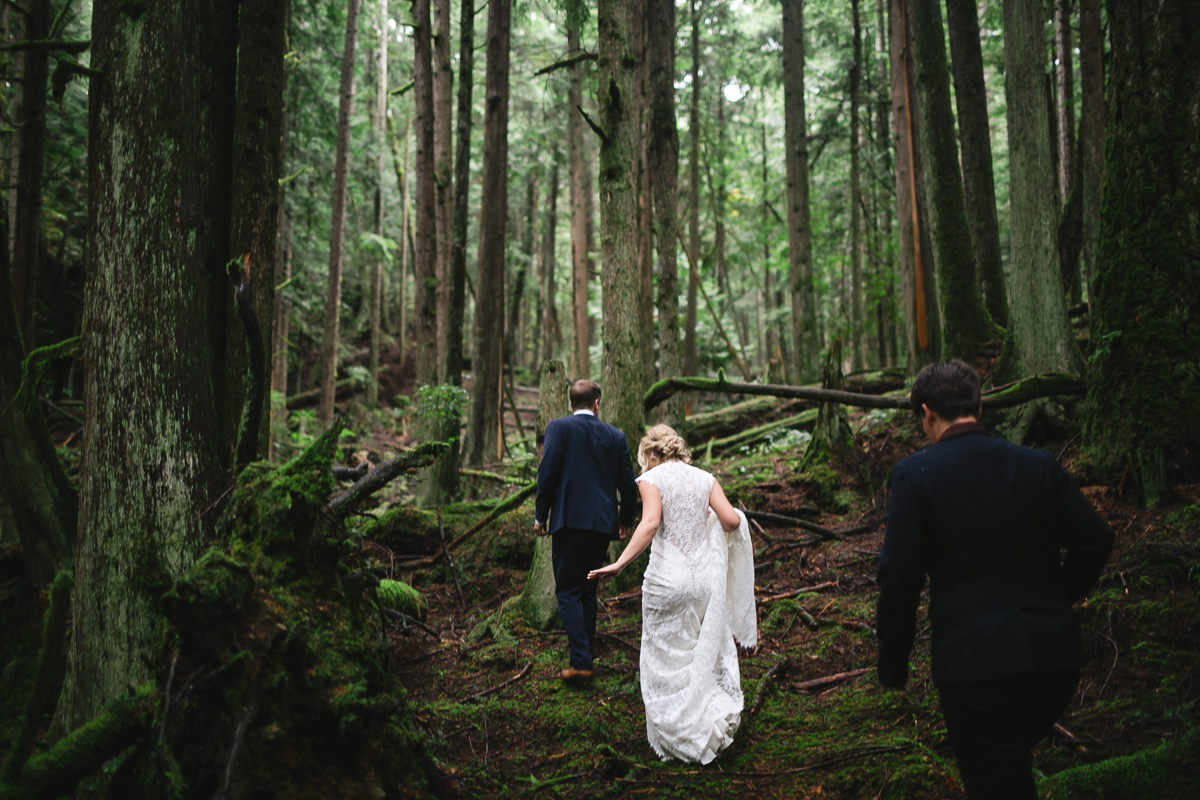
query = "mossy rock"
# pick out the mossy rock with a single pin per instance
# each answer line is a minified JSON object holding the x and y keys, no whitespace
{"x":399,"y":596}
{"x":1167,"y":772}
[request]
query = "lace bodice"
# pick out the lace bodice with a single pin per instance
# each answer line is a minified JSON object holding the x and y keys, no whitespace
{"x":684,"y":490}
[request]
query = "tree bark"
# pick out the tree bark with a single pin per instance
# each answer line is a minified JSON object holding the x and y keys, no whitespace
{"x":493,"y":217}
{"x":462,"y":202}
{"x":805,"y":340}
{"x":257,"y":132}
{"x":1143,"y":407}
{"x":1091,"y":134}
{"x":150,"y":468}
{"x":664,"y":180}
{"x":514,"y":346}
{"x":857,"y":311}
{"x":283,"y":248}
{"x":31,"y":146}
{"x":691,"y":364}
{"x":1041,"y":339}
{"x":965,"y":322}
{"x":1064,"y":55}
{"x":443,"y":104}
{"x":619,"y":24}
{"x":425,"y":202}
{"x":381,"y":67}
{"x":979,"y":186}
{"x":549,"y":316}
{"x":581,"y":260}
{"x":333,"y":299}
{"x":922,"y":322}
{"x":883,"y":86}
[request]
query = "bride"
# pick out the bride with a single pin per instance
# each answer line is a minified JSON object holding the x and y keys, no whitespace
{"x":697,"y":597}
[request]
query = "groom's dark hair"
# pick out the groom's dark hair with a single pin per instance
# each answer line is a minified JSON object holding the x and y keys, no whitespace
{"x":584,"y":393}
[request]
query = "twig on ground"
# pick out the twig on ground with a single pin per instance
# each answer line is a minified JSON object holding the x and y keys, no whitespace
{"x":506,"y":683}
{"x":764,"y":685}
{"x":828,"y":680}
{"x":400,"y":616}
{"x":795,"y":592}
{"x":767,"y":516}
{"x":449,"y":562}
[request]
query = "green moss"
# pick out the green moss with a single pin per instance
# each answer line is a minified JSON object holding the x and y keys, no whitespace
{"x":402,"y":597}
{"x":1165,"y":772}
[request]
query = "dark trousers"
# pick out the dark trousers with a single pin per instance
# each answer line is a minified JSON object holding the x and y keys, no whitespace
{"x":574,"y":554}
{"x":993,"y":726}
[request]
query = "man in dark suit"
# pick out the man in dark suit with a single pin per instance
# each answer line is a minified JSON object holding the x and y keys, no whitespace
{"x":585,"y":464}
{"x":986,"y":520}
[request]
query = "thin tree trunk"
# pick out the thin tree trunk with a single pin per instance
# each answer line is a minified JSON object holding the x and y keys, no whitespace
{"x":770,"y":343}
{"x":805,"y":341}
{"x":425,"y":205}
{"x":581,"y":260}
{"x":718,"y":198}
{"x":493,"y":215}
{"x":380,"y":168}
{"x":645,"y":205}
{"x":443,"y":155}
{"x":1091,"y":133}
{"x":462,"y":201}
{"x":283,"y":251}
{"x":664,"y":179}
{"x":857,"y":310}
{"x":402,"y":177}
{"x":691,"y":364}
{"x":1143,"y":406}
{"x":979,"y":187}
{"x":1064,"y":55}
{"x":549,"y":316}
{"x":883,"y":86}
{"x":333,"y":299}
{"x":514,"y":352}
{"x":1041,"y":337}
{"x":31,"y":135}
{"x":965,"y":322}
{"x":619,"y":23}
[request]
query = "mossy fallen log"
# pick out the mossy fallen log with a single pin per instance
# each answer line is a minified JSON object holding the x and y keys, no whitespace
{"x":510,"y":503}
{"x":1166,"y":772}
{"x":1014,"y":394}
{"x":420,"y":456}
{"x":401,"y":597}
{"x":802,"y":421}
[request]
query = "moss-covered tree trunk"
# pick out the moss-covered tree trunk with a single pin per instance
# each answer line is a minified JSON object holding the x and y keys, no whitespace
{"x":805,"y":341}
{"x":1091,"y":133}
{"x":150,"y":467}
{"x":922,"y":322}
{"x":333,"y":296}
{"x":620,"y":27}
{"x":1143,"y":411}
{"x":493,"y":217}
{"x":1040,"y":339}
{"x":425,"y":208}
{"x":975,"y":141}
{"x":965,"y":322}
{"x":453,"y":357}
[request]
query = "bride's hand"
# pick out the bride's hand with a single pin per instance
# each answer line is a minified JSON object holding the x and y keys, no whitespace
{"x":604,"y":572}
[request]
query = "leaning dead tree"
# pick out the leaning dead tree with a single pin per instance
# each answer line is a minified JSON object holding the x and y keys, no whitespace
{"x":1013,"y":394}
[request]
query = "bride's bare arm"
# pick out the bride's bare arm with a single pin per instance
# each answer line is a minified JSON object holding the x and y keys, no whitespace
{"x":723,"y":508}
{"x":651,"y":516}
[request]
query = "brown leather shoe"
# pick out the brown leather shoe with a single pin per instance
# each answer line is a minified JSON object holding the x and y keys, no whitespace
{"x":572,"y":674}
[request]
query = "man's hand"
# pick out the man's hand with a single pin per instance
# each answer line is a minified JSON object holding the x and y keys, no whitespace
{"x":623,"y":532}
{"x":538,"y":528}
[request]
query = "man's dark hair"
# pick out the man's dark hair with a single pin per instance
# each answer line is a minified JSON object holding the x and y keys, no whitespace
{"x":949,"y":388}
{"x":584,"y":393}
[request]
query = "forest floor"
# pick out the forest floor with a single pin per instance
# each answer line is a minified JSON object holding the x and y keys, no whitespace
{"x":500,"y":725}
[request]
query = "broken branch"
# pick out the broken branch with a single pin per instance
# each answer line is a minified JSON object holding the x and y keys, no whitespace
{"x":508,"y":504}
{"x":420,"y":456}
{"x":764,"y":686}
{"x":570,"y":61}
{"x":818,"y":683}
{"x":802,"y":590}
{"x":506,"y":683}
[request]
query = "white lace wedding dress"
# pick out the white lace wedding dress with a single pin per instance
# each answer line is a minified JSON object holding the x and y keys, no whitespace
{"x":697,"y":597}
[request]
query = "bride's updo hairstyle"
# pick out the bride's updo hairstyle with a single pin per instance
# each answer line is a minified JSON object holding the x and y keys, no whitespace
{"x":660,"y":444}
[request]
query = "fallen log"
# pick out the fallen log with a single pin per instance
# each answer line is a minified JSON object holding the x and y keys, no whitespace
{"x":508,"y":504}
{"x":818,"y":683}
{"x":420,"y":456}
{"x":802,"y":590}
{"x":792,"y":522}
{"x":1013,"y":394}
{"x":311,"y":395}
{"x":805,"y":419}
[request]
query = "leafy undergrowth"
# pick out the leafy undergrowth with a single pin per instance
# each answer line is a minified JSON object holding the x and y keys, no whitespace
{"x":501,"y":726}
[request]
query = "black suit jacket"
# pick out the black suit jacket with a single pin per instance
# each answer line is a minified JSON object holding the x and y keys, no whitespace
{"x":985,"y":520}
{"x":585,"y":465}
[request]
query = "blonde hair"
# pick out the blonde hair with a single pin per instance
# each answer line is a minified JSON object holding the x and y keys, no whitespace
{"x":662,"y":444}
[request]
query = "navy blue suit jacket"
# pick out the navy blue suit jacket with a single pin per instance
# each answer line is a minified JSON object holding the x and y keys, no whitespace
{"x":585,"y":464}
{"x":986,"y":519}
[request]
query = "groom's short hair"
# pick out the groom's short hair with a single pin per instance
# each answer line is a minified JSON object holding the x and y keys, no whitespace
{"x":950,"y":389}
{"x":584,"y":393}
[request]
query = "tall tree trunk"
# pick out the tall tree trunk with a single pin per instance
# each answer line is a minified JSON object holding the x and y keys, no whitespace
{"x":965,"y":322}
{"x":1091,"y":134}
{"x":664,"y":179}
{"x":258,"y":127}
{"x":333,"y":299}
{"x":691,"y":364}
{"x":549,"y":316}
{"x":443,"y":105}
{"x":1143,"y":406}
{"x":283,"y":250}
{"x":380,"y":171}
{"x":514,"y":345}
{"x":922,"y":322}
{"x":581,"y":259}
{"x":1064,"y":56}
{"x":44,"y":506}
{"x":979,"y":186}
{"x":402,"y":178}
{"x":883,"y":138}
{"x":150,"y":399}
{"x":493,"y":216}
{"x":31,"y":145}
{"x":1041,"y":339}
{"x":619,"y":23}
{"x":805,"y":341}
{"x":718,"y":198}
{"x":425,"y":205}
{"x":857,"y":310}
{"x":645,"y":205}
{"x":770,"y":342}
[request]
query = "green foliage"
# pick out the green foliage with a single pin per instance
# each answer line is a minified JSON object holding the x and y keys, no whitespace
{"x":441,"y":402}
{"x":1166,"y":771}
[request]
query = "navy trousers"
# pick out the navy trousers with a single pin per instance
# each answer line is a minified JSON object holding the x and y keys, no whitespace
{"x":575,"y":553}
{"x":993,"y":726}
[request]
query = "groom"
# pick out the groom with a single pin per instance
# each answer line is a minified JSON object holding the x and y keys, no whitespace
{"x":585,"y":464}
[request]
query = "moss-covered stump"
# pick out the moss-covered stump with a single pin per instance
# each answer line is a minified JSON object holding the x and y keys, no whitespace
{"x":1167,"y":771}
{"x":274,"y":676}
